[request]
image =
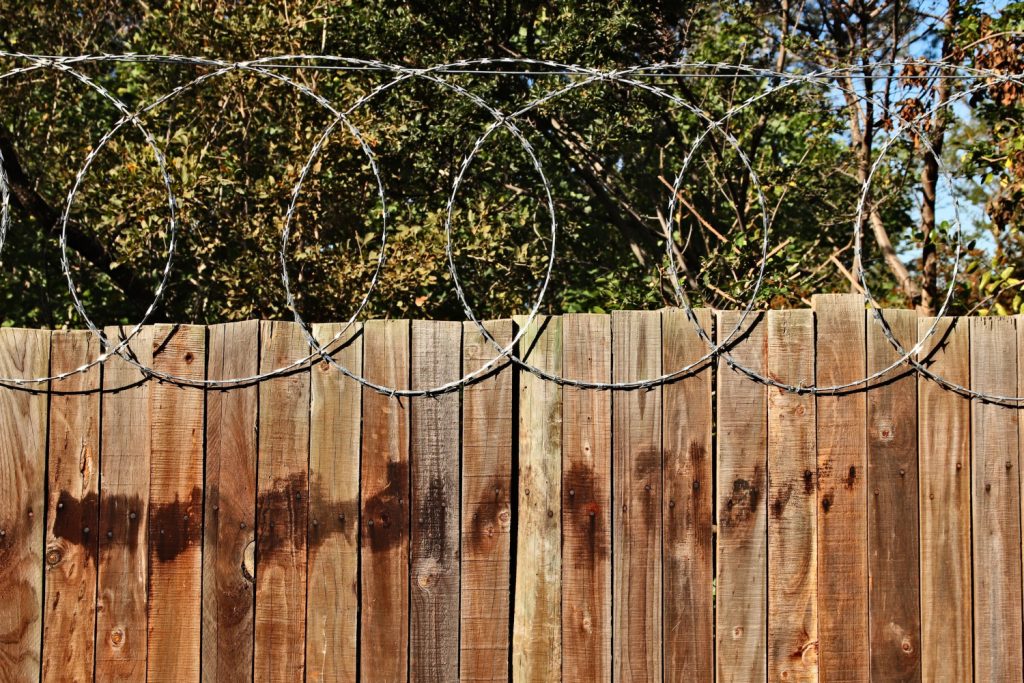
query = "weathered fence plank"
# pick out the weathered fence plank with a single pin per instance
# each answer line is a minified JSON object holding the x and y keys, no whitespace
{"x":69,"y":621}
{"x":944,"y":433}
{"x":893,"y":556}
{"x":352,"y":535}
{"x":740,"y":589}
{"x":176,"y":506}
{"x":486,"y":507}
{"x":229,"y":543}
{"x":384,"y":555}
{"x":840,"y":353}
{"x":792,"y":549}
{"x":282,"y":475}
{"x":434,"y":548}
{"x":24,"y":354}
{"x":537,"y":637}
{"x":332,"y":607}
{"x":637,"y":485}
{"x":995,"y":503}
{"x":121,"y":629}
{"x":688,"y":563}
{"x":586,"y":500}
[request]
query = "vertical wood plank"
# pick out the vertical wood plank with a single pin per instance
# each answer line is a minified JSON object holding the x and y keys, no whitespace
{"x":995,"y":503}
{"x":23,"y":416}
{"x":841,"y":357}
{"x":944,"y":433}
{"x":586,"y":500}
{"x":229,"y":543}
{"x":384,"y":558}
{"x":688,"y":499}
{"x":893,"y":557}
{"x":742,"y":420}
{"x":486,"y":508}
{"x":69,"y":621}
{"x":637,"y":471}
{"x":536,"y":640}
{"x":333,"y":570}
{"x":121,"y":632}
{"x":176,"y":506}
{"x":434,"y":452}
{"x":792,"y":562}
{"x":282,"y":507}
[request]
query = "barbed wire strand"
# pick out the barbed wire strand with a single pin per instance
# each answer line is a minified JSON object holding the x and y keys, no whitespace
{"x":831,"y":77}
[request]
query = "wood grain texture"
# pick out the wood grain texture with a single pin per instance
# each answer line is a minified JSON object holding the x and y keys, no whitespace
{"x":995,"y":503}
{"x":434,"y":548}
{"x":893,"y":556}
{"x":384,"y":558}
{"x":742,"y":421}
{"x":687,"y":542}
{"x":586,"y":500}
{"x":229,"y":590}
{"x":69,"y":621}
{"x":637,"y":469}
{"x":281,"y":507}
{"x":333,"y":571}
{"x":792,"y":501}
{"x":487,"y":423}
{"x":121,"y":628}
{"x":23,"y":415}
{"x":944,"y":436}
{"x":537,"y":635}
{"x":176,"y":506}
{"x":841,"y":358}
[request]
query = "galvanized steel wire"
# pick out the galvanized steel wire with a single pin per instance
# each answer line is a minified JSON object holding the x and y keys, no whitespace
{"x":571,"y":78}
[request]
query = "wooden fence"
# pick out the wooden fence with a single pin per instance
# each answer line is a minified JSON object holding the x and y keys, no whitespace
{"x":712,"y":528}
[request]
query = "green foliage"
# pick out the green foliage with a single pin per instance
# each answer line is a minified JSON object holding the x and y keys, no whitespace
{"x":237,"y":144}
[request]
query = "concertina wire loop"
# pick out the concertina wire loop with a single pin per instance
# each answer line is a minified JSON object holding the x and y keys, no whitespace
{"x":831,"y":78}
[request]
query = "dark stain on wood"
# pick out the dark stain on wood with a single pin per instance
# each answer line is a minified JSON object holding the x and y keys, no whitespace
{"x":72,"y":516}
{"x":851,"y":478}
{"x":281,"y":514}
{"x":742,"y":502}
{"x":647,"y":468}
{"x":579,"y":493}
{"x":826,"y":503}
{"x":328,"y":517}
{"x":122,"y":518}
{"x":176,"y":526}
{"x":433,"y":519}
{"x":384,"y":523}
{"x":808,"y":482}
{"x":781,"y":500}
{"x":490,"y":517}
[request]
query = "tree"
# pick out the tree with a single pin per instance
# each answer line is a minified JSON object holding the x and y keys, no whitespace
{"x":236,"y":145}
